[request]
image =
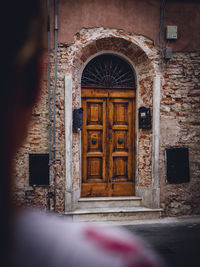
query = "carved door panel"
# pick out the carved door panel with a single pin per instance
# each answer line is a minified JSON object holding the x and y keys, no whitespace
{"x":121,"y":148}
{"x":107,"y":143}
{"x":94,"y":146}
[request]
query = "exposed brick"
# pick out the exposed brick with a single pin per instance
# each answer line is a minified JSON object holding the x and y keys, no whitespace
{"x":180,"y":103}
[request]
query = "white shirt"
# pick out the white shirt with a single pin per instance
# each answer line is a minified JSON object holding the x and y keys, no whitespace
{"x":45,"y":240}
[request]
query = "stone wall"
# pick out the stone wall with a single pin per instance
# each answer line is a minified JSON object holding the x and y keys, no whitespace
{"x":180,"y":126}
{"x":143,"y":57}
{"x":139,"y":51}
{"x":37,"y":142}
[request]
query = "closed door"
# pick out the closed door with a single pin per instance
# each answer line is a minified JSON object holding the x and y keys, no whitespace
{"x":108,"y":135}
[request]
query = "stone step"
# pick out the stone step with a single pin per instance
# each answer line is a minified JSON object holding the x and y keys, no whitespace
{"x":109,"y":202}
{"x":114,"y":214}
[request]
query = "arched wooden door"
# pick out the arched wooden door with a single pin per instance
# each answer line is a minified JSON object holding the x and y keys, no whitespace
{"x":108,"y":133}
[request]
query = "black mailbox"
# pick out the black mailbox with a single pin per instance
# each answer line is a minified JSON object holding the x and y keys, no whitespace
{"x":144,"y":115}
{"x":77,"y":119}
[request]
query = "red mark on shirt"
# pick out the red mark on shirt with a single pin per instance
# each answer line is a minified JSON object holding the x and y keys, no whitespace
{"x":111,"y":243}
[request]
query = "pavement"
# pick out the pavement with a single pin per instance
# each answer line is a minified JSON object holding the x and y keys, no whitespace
{"x":176,"y":240}
{"x":166,"y":220}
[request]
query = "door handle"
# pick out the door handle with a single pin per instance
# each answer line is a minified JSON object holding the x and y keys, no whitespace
{"x":94,"y":141}
{"x":120,"y":141}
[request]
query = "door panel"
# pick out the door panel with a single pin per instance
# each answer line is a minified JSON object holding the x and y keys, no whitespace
{"x":120,"y":168}
{"x":94,"y":168}
{"x":121,"y":147}
{"x":93,"y":136}
{"x":95,"y":141}
{"x":94,"y":112}
{"x":120,"y":142}
{"x":107,"y":143}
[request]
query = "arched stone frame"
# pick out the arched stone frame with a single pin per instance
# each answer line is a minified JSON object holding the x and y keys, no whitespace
{"x":142,"y":56}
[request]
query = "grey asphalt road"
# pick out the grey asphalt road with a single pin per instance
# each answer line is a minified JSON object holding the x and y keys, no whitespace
{"x":178,"y":243}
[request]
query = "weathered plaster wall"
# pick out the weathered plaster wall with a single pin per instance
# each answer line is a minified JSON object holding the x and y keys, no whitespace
{"x":139,"y":17}
{"x":123,"y":32}
{"x":180,"y":126}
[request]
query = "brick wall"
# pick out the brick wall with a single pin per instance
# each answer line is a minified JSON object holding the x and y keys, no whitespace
{"x":46,"y":197}
{"x":180,"y":126}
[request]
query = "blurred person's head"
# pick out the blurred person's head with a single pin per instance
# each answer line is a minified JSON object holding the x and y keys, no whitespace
{"x":21,"y":45}
{"x":20,"y":55}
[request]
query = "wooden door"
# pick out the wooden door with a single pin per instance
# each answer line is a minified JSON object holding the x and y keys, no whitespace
{"x":108,"y":136}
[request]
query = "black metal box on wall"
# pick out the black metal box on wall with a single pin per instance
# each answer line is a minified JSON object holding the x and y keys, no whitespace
{"x":177,"y":165}
{"x":38,"y":169}
{"x":144,"y":118}
{"x":77,"y":119}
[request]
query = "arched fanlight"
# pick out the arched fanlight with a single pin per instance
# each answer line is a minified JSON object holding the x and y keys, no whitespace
{"x":108,"y":71}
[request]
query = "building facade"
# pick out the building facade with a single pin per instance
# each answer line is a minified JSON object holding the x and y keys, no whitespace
{"x":140,"y":93}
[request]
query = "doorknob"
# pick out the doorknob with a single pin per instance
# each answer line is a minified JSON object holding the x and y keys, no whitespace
{"x":120,"y":141}
{"x":94,"y":141}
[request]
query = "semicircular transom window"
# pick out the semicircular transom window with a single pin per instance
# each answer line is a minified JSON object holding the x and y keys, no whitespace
{"x":108,"y":71}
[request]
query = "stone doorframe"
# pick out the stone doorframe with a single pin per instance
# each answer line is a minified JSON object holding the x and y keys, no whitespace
{"x":143,"y":57}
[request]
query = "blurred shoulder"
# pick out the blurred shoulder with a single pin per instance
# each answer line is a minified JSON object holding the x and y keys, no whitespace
{"x":63,"y":243}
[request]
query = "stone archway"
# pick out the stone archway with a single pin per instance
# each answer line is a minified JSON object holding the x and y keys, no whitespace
{"x":139,"y":51}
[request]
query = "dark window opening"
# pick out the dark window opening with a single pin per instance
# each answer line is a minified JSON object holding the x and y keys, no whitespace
{"x":108,"y":71}
{"x":38,"y":169}
{"x":177,"y":163}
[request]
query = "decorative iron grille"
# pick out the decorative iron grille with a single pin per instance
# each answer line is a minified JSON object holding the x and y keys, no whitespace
{"x":108,"y":71}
